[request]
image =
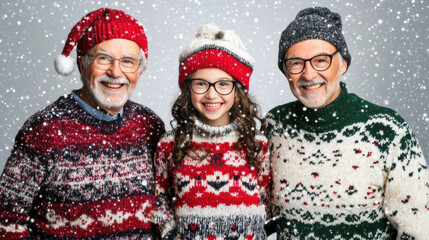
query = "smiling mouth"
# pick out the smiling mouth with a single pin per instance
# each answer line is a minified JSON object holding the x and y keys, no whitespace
{"x":212,"y":105}
{"x":315,"y":86}
{"x":112,"y":85}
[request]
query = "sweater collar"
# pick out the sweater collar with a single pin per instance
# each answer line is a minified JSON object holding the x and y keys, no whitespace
{"x":93,"y":111}
{"x":326,"y":116}
{"x":209,"y":131}
{"x":75,"y":110}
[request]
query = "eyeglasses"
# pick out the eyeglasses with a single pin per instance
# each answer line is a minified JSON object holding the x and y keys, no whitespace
{"x":104,"y":61}
{"x":320,"y":63}
{"x":201,"y":86}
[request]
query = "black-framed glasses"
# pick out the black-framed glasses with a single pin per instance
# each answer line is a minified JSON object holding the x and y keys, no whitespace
{"x":104,"y":61}
{"x":320,"y":62}
{"x":201,"y":86}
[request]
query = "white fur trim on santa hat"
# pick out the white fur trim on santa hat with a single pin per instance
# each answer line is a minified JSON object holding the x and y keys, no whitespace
{"x":64,"y":65}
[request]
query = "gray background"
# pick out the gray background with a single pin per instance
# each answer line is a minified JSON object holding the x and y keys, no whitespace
{"x":388,"y":41}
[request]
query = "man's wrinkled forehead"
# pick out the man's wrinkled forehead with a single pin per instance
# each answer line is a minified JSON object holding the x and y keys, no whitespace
{"x":309,"y":48}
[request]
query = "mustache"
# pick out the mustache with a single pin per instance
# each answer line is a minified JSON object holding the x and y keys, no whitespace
{"x":105,"y":78}
{"x":314,"y":81}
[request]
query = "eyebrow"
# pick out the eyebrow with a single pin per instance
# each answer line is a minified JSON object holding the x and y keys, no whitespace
{"x":317,"y":54}
{"x":219,"y":79}
{"x":107,"y":53}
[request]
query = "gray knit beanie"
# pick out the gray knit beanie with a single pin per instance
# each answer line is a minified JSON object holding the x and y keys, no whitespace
{"x":314,"y":23}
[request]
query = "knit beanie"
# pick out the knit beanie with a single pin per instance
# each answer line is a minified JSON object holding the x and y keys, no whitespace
{"x":314,"y":23}
{"x":215,"y":48}
{"x":96,"y":27}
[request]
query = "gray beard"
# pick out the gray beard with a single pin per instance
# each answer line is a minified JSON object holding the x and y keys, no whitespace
{"x":102,"y":99}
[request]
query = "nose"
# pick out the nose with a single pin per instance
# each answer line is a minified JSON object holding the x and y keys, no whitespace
{"x":211,"y":93}
{"x":309,"y":73}
{"x":115,"y":70}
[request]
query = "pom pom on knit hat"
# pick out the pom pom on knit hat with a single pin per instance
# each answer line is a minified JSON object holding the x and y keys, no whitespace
{"x":96,"y":27}
{"x":64,"y":65}
{"x":314,"y":23}
{"x":216,"y":48}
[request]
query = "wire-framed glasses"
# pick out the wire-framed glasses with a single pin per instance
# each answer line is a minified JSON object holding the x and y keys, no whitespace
{"x":320,"y":62}
{"x":104,"y":61}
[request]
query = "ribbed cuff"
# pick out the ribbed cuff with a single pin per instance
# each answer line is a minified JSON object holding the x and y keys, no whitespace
{"x":169,"y":231}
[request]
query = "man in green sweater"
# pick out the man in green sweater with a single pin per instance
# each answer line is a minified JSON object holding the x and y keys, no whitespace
{"x":343,"y":168}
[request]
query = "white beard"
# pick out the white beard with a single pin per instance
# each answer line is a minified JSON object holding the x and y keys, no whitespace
{"x":317,"y":100}
{"x":102,"y":96}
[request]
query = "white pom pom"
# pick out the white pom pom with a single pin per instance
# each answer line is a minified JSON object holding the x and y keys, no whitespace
{"x":64,"y":65}
{"x":208,"y":31}
{"x":233,"y":38}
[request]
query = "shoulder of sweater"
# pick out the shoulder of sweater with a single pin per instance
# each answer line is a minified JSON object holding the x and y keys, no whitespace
{"x":142,"y":109}
{"x":261,"y":137}
{"x":167,"y":137}
{"x":278,"y":110}
{"x":371,"y":108}
{"x":65,"y":105}
{"x":144,"y":115}
{"x":52,"y":111}
{"x":374,"y":111}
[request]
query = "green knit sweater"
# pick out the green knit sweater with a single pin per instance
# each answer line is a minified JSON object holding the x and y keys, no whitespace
{"x":351,"y":170}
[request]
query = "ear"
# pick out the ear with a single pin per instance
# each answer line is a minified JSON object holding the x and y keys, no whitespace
{"x":285,"y":71}
{"x":343,"y":66}
{"x":140,"y":72}
{"x":82,"y":70}
{"x":80,"y":64}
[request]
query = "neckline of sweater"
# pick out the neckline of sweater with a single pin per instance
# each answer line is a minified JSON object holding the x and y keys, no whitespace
{"x":206,"y":130}
{"x":329,"y":116}
{"x":74,"y":110}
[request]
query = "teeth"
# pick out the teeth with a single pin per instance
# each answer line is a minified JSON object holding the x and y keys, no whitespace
{"x":212,"y":105}
{"x":112,"y":85}
{"x":313,"y":86}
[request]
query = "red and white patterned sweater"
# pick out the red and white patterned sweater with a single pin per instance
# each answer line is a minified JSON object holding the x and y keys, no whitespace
{"x":219,"y":197}
{"x":72,"y":176}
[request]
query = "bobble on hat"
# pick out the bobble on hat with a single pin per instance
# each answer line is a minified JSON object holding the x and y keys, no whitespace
{"x":216,"y":48}
{"x":207,"y":31}
{"x":314,"y":23}
{"x":64,"y":65}
{"x":96,"y":27}
{"x":331,"y":17}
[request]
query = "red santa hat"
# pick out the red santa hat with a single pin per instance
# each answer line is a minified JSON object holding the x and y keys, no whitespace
{"x":98,"y":26}
{"x":215,"y":48}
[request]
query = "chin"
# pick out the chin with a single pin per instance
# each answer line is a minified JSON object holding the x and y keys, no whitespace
{"x":310,"y":103}
{"x":105,"y":104}
{"x":102,"y":100}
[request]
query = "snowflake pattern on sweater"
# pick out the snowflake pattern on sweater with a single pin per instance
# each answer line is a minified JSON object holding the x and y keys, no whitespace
{"x":351,"y":170}
{"x":219,"y":197}
{"x":72,"y":176}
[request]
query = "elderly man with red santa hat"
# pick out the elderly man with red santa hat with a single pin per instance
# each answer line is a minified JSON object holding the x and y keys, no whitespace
{"x":82,"y":167}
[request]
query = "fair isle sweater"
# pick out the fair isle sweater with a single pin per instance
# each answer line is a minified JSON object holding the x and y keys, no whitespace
{"x":351,"y":170}
{"x":72,"y":176}
{"x":219,"y":197}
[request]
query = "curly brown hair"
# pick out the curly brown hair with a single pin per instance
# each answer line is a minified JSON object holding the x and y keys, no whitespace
{"x":245,"y":113}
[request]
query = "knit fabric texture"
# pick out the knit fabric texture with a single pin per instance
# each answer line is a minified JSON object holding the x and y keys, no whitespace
{"x":216,"y":48}
{"x":351,"y":170}
{"x":72,"y":176}
{"x":96,"y":27}
{"x":212,"y":56}
{"x":314,"y":23}
{"x":219,"y":197}
{"x":101,"y":25}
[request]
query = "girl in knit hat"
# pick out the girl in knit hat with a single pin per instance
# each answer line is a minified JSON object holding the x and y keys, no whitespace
{"x":212,"y":169}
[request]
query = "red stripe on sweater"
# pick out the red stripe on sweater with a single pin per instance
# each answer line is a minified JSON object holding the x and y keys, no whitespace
{"x":102,"y":217}
{"x":56,"y":133}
